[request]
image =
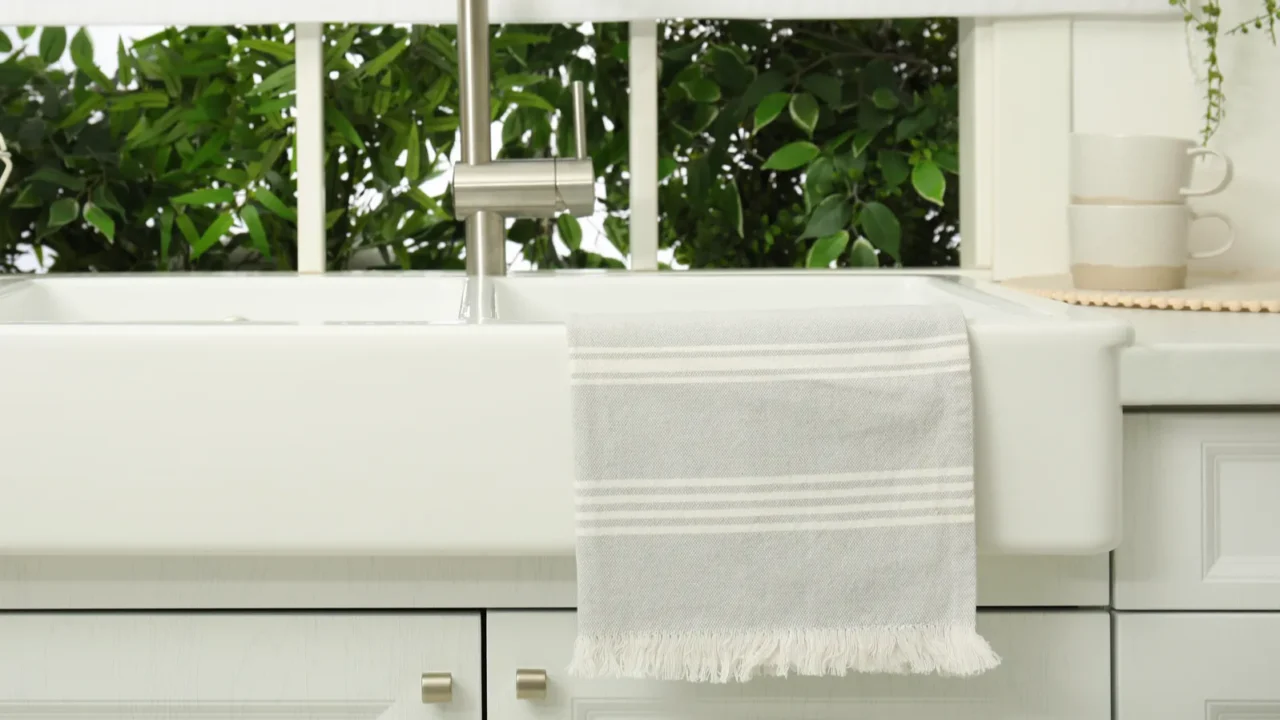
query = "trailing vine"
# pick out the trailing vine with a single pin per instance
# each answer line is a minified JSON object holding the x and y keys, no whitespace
{"x":1206,"y":20}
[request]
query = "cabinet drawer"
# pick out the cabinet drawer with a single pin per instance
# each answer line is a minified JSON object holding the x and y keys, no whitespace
{"x":1197,"y":666}
{"x":246,"y":666}
{"x":1057,"y":666}
{"x":1202,"y":495}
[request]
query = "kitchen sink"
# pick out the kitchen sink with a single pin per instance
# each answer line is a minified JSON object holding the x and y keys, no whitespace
{"x":355,"y":414}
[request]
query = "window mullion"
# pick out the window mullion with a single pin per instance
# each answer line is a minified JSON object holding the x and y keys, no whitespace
{"x":309,"y":147}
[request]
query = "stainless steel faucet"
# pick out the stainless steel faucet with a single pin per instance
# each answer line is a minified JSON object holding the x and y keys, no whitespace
{"x":6,"y":163}
{"x":486,"y":192}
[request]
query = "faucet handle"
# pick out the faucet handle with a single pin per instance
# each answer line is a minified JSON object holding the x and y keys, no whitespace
{"x":580,"y":120}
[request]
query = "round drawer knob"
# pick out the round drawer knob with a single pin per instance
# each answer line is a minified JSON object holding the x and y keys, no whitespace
{"x":437,"y":687}
{"x":531,"y":684}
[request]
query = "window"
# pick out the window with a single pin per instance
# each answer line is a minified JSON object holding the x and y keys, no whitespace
{"x":147,"y":149}
{"x":811,"y":144}
{"x":779,"y":145}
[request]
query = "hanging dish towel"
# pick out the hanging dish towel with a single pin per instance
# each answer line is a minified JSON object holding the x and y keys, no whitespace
{"x":774,"y":493}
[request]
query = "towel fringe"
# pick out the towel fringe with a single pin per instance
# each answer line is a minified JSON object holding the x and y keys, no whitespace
{"x":949,"y":650}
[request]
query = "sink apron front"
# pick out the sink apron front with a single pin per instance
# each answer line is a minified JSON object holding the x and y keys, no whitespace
{"x":437,"y":439}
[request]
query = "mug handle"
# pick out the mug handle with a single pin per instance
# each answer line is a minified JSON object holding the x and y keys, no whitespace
{"x":1231,"y":236}
{"x":1226,"y":176}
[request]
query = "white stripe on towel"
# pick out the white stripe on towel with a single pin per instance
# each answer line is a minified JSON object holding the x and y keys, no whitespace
{"x":950,"y":487}
{"x":776,"y":527}
{"x":790,"y":377}
{"x":893,"y":358}
{"x":584,"y":352}
{"x":863,"y":476}
{"x":741,"y":512}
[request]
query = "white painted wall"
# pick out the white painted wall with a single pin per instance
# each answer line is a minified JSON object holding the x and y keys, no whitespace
{"x":1135,"y":76}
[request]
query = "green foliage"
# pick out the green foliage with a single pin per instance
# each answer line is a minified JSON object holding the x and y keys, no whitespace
{"x":187,"y":131}
{"x":868,"y":106}
{"x":782,"y":144}
{"x":393,"y":123}
{"x":1206,"y":20}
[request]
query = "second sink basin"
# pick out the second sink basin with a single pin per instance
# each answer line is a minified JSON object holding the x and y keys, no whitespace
{"x":353,"y":414}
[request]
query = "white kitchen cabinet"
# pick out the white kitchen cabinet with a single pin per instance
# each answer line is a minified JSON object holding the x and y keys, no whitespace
{"x":271,"y":666}
{"x":1197,"y":666}
{"x":1057,"y":666}
{"x":1201,"y":510}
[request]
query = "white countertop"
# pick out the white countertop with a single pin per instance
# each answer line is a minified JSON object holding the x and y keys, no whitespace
{"x":1199,"y":358}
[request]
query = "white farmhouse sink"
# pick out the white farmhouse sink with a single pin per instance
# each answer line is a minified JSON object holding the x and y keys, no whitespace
{"x":353,"y":414}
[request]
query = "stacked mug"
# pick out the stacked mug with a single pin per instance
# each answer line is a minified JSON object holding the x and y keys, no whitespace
{"x":1128,"y":221}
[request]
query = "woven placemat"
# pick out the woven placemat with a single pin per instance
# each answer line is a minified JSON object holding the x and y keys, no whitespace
{"x":1215,"y":292}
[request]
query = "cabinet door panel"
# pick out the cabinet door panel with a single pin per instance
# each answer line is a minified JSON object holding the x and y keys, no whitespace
{"x":1202,"y":494}
{"x":1056,"y":667}
{"x":1198,"y":666}
{"x":242,"y":666}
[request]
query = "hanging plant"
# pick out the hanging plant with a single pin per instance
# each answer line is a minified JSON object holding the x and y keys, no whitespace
{"x":1205,"y":20}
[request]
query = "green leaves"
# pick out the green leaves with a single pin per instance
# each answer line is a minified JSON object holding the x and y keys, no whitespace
{"x":510,"y":39}
{"x":928,"y":181}
{"x":283,"y":80}
{"x":893,"y":167}
{"x":57,"y":177}
{"x":529,"y":100}
{"x":338,"y":121}
{"x":273,"y":203}
{"x":280,"y":51}
{"x":82,"y":58}
{"x":804,"y":111}
{"x":863,"y":254}
{"x":519,"y":80}
{"x":947,"y":161}
{"x":413,"y":150}
{"x":210,"y":196}
{"x":139,"y":100}
{"x":101,"y":221}
{"x":384,"y":60}
{"x":913,"y":125}
{"x":212,"y":234}
{"x":570,"y":231}
{"x":820,"y":179}
{"x":257,"y":233}
{"x":5,"y":44}
{"x":124,"y":63}
{"x":735,"y":209}
{"x":770,"y":108}
{"x":831,"y":216}
{"x":196,"y":126}
{"x":882,"y":227}
{"x":791,"y":156}
{"x":63,"y":211}
{"x":702,"y":90}
{"x":53,"y":42}
{"x":825,"y":87}
{"x":826,"y":250}
{"x":884,"y":98}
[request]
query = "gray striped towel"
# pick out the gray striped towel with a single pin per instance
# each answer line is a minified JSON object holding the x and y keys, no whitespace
{"x":774,"y":493}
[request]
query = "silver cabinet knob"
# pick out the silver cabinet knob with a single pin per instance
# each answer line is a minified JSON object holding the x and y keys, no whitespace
{"x":437,"y":688}
{"x":531,"y":684}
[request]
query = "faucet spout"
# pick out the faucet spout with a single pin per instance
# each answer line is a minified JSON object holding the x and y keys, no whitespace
{"x":485,"y":192}
{"x":485,"y":231}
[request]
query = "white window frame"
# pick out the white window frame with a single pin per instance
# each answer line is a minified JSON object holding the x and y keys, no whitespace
{"x":1015,"y":121}
{"x":1015,"y":116}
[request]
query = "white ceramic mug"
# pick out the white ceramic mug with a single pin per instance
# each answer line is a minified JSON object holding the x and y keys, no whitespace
{"x":1137,"y":169}
{"x":1135,"y":247}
